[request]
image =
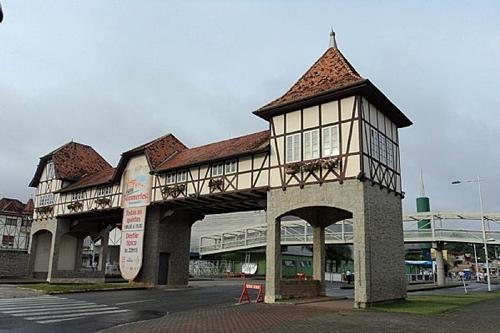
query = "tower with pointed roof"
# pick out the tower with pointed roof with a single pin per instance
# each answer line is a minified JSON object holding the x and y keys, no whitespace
{"x":335,"y":155}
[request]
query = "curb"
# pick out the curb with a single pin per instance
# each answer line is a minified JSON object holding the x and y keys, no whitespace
{"x":58,"y":292}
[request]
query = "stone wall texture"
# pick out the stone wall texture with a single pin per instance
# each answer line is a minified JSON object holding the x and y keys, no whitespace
{"x":13,"y":263}
{"x":378,"y":235}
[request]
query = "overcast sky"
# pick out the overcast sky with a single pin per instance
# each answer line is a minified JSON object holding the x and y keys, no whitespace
{"x":115,"y":74}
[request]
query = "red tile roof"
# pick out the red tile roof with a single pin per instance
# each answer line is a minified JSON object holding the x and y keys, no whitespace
{"x":100,"y":178}
{"x":219,"y":150}
{"x":14,"y":206}
{"x":156,"y":151}
{"x":72,"y":161}
{"x":330,"y":72}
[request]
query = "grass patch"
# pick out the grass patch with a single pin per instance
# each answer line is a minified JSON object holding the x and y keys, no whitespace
{"x":434,"y":304}
{"x":72,"y":288}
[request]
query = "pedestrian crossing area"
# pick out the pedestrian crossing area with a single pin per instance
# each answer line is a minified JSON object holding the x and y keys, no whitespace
{"x":54,"y":309}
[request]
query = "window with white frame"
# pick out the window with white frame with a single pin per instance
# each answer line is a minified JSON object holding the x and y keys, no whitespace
{"x":330,"y":141}
{"x":230,"y":167}
{"x":171,"y":178}
{"x":311,"y":144}
{"x":181,"y":176}
{"x":217,"y":169}
{"x":374,"y":143}
{"x":383,"y":148}
{"x":76,"y":196}
{"x":293,"y":148}
{"x":104,"y":190}
{"x":11,"y":221}
{"x":46,"y":200}
{"x":50,"y":170}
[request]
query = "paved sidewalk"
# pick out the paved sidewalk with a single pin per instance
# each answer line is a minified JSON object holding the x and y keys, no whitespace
{"x":316,"y":317}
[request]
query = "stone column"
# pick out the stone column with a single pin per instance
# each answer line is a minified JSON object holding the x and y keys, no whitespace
{"x":378,"y":248}
{"x":79,"y":253}
{"x":319,"y":257}
{"x":103,"y":253}
{"x":273,"y":260}
{"x":440,"y":275}
{"x":168,"y":232}
{"x":62,"y":226}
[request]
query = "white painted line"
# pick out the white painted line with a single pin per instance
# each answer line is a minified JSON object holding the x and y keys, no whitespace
{"x":34,"y":306}
{"x":54,"y":309}
{"x":76,"y":315}
{"x":49,"y":301}
{"x":22,"y":299}
{"x":102,"y":308}
{"x":133,"y":302}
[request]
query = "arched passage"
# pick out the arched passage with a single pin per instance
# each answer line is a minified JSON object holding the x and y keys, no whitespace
{"x":40,"y":251}
{"x":319,"y":217}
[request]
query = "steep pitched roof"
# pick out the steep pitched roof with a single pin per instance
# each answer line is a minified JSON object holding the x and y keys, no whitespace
{"x":331,"y":71}
{"x":219,"y":150}
{"x":72,"y":161}
{"x":156,"y":151}
{"x":99,"y":178}
{"x":331,"y":77}
{"x":14,"y":206}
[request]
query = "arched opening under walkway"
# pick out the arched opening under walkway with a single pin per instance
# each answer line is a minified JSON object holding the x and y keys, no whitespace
{"x":319,"y":217}
{"x":40,"y":252}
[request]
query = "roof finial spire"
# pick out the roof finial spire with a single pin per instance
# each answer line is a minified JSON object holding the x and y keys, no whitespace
{"x":333,"y":42}
{"x":422,"y":188}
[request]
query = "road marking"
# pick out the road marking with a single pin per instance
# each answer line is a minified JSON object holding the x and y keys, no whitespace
{"x":43,"y":319}
{"x":53,"y":309}
{"x":45,"y":305}
{"x":21,"y":299}
{"x":44,"y":313}
{"x":133,"y":302}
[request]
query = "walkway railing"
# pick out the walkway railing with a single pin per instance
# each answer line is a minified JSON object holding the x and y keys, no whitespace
{"x":300,"y":233}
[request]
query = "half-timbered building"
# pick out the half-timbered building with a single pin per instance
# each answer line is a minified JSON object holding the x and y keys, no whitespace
{"x":330,"y":152}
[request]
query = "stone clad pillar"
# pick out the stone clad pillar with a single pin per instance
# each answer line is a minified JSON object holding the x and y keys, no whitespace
{"x":62,"y":226}
{"x":319,"y":257}
{"x":440,"y":274}
{"x":273,"y":260}
{"x":167,"y":237}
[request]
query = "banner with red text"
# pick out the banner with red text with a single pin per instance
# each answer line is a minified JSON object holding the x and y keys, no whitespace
{"x":131,"y":246}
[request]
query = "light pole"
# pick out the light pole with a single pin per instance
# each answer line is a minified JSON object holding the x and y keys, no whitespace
{"x":475,"y":259}
{"x":478,"y":181}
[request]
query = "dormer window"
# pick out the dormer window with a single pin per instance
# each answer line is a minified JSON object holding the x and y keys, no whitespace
{"x":51,"y":174}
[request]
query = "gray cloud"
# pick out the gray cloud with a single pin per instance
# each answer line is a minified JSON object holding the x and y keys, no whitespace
{"x":116,"y":74}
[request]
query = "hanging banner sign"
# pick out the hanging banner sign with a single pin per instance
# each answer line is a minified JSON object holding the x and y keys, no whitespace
{"x":136,"y":197}
{"x":137,"y":190}
{"x":132,"y":242}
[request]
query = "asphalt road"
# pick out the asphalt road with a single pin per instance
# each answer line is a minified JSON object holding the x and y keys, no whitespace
{"x":90,"y":312}
{"x":30,"y":312}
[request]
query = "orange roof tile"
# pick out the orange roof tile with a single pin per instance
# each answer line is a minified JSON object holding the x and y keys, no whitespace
{"x":331,"y":71}
{"x":219,"y":150}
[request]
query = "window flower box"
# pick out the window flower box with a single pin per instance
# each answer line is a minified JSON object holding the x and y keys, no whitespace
{"x":216,"y":184}
{"x":173,"y":190}
{"x":331,"y":163}
{"x":312,"y":166}
{"x":75,"y":206}
{"x":102,"y":202}
{"x":292,"y":168}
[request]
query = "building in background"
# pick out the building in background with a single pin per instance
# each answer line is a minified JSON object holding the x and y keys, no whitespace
{"x":15,"y":226}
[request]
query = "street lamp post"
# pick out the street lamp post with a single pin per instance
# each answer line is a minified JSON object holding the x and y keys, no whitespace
{"x":475,"y":259}
{"x":478,"y":181}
